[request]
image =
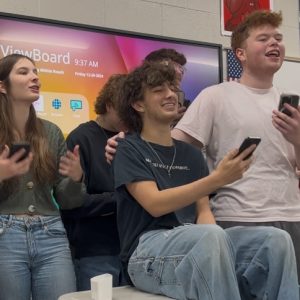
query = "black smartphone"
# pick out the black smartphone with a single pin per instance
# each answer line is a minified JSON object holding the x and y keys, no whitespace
{"x":291,"y":99}
{"x":15,"y":147}
{"x":247,"y":143}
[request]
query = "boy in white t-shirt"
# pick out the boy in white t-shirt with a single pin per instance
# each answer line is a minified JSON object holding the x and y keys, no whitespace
{"x":223,"y":115}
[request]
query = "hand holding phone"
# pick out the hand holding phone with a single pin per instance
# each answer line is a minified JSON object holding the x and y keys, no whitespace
{"x":247,"y":143}
{"x":291,"y":99}
{"x":15,"y":147}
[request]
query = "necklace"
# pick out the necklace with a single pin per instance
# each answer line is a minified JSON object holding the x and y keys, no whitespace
{"x":164,"y":165}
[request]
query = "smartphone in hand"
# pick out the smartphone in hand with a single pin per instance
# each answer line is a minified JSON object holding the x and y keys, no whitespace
{"x":247,"y":143}
{"x":291,"y":99}
{"x":15,"y":147}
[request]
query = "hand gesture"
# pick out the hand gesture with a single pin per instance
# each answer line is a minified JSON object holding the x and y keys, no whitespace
{"x":111,"y":146}
{"x":10,"y":166}
{"x":232,"y":167}
{"x":70,"y":165}
{"x":289,"y":126}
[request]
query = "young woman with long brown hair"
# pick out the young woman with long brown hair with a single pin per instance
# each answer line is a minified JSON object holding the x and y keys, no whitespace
{"x":35,"y":257}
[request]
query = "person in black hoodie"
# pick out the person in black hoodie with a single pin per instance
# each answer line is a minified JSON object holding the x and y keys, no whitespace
{"x":92,"y":228}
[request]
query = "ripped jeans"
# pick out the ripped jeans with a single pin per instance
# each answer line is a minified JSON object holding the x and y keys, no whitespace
{"x":206,"y":262}
{"x":35,"y":259}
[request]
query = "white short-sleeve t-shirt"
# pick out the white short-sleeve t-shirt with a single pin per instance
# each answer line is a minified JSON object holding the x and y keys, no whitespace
{"x":221,"y":117}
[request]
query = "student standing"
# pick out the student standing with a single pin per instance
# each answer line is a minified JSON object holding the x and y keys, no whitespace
{"x":223,"y":115}
{"x":35,"y":258}
{"x":92,"y":228}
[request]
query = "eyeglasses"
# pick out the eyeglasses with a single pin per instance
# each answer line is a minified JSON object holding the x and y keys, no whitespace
{"x":181,"y":97}
{"x":178,"y":67}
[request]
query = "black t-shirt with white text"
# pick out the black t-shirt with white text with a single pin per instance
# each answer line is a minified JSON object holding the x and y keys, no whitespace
{"x":136,"y":161}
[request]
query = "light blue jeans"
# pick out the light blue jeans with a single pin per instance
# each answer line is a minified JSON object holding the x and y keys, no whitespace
{"x":35,"y":259}
{"x":88,"y":267}
{"x":206,"y":262}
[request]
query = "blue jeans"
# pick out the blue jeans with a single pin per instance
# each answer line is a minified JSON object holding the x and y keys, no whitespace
{"x":206,"y":262}
{"x":35,"y":259}
{"x":88,"y":267}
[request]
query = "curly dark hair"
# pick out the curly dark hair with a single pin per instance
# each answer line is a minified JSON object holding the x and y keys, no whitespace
{"x":148,"y":75}
{"x":166,"y":54}
{"x":251,"y":21}
{"x":109,"y":94}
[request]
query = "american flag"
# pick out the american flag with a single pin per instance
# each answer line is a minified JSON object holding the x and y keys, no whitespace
{"x":234,"y":69}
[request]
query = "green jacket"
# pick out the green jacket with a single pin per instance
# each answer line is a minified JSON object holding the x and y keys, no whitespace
{"x":44,"y":199}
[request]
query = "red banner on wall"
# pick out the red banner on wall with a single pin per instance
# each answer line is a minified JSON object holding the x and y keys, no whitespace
{"x":233,"y":12}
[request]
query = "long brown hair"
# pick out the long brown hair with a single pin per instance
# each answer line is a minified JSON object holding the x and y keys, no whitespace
{"x":43,"y":165}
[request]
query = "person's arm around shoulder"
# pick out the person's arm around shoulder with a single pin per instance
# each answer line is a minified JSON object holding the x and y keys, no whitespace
{"x":111,"y":146}
{"x":161,"y":202}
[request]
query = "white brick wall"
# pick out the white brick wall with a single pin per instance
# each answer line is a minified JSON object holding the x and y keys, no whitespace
{"x":189,"y":19}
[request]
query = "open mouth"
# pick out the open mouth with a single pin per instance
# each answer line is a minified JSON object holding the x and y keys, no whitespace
{"x":169,"y":105}
{"x":35,"y":88}
{"x":273,"y":53}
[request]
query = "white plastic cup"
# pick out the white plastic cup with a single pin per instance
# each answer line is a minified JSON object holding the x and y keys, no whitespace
{"x":101,"y":287}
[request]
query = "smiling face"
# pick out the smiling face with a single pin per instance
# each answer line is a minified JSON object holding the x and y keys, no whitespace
{"x":263,"y":51}
{"x":159,"y":104}
{"x":23,"y":83}
{"x":149,"y":94}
